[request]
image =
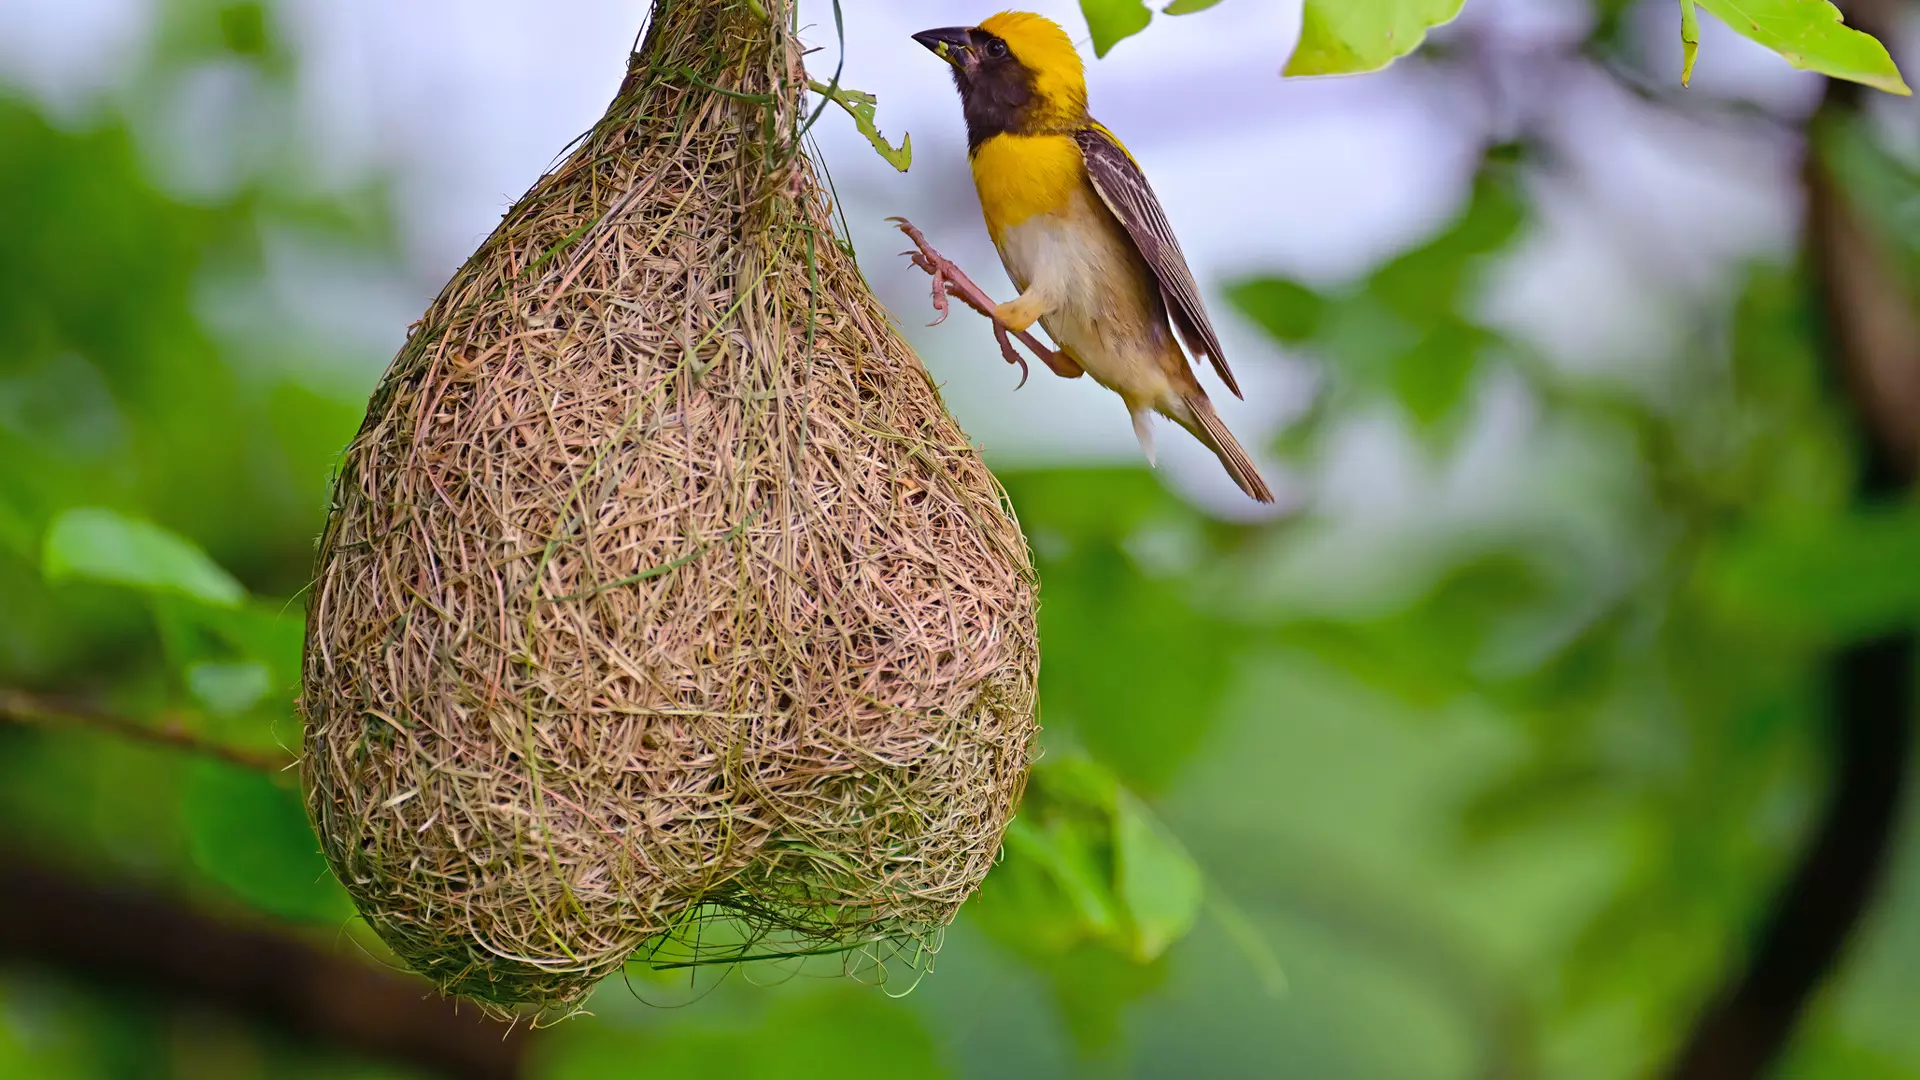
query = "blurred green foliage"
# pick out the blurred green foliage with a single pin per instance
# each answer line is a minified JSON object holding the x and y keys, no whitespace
{"x":1408,"y":331}
{"x":1507,"y":782}
{"x":828,"y":1035}
{"x":1348,"y":37}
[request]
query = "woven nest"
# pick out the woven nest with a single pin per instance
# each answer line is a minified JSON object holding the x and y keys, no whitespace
{"x":659,"y":589}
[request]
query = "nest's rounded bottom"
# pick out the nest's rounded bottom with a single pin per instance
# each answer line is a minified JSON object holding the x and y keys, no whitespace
{"x":713,"y":935}
{"x":522,"y":886}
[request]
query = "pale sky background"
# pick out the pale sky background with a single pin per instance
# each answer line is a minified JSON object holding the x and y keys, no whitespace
{"x":464,"y":103}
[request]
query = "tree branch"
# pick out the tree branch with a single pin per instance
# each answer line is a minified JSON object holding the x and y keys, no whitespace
{"x":121,"y":938}
{"x":172,"y":732}
{"x":1873,"y":341}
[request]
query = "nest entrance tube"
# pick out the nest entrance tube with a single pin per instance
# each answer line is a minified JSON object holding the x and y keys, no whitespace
{"x":662,"y":609}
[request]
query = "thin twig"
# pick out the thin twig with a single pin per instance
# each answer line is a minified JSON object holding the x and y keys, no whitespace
{"x":171,"y":730}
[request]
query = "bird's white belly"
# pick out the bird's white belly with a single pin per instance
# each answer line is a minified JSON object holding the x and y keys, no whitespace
{"x":1099,"y":310}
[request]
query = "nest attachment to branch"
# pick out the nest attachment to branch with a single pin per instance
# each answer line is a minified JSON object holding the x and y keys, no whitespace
{"x":662,"y":609}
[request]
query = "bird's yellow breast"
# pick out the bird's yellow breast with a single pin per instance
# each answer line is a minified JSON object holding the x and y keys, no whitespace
{"x":1019,"y":176}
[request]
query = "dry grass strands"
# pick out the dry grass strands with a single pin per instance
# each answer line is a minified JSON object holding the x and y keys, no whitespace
{"x":659,"y":588}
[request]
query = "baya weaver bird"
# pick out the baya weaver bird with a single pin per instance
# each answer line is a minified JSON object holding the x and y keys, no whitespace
{"x":1081,"y":234}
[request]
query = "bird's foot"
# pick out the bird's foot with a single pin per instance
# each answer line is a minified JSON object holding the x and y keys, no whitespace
{"x":950,"y":280}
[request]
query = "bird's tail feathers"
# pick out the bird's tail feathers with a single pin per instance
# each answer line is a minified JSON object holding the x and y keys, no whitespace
{"x":1143,"y":430}
{"x":1206,"y":425}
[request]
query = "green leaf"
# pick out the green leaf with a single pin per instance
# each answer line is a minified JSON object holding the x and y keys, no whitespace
{"x":1088,"y":862}
{"x":251,"y":836}
{"x":268,"y":634}
{"x":861,"y":106}
{"x":243,"y":27}
{"x":1067,"y":852}
{"x":1288,"y":310}
{"x":16,"y":535}
{"x":1092,"y":891}
{"x":1809,"y":34}
{"x":228,"y":689}
{"x":1187,"y":7}
{"x":1022,"y":903}
{"x":1108,"y":614}
{"x":94,"y":543}
{"x":1431,"y":379}
{"x":1113,"y":21}
{"x":1402,"y":330}
{"x":1055,"y":889}
{"x":1157,"y":879}
{"x":1431,"y":284}
{"x":1346,"y":37}
{"x":1843,"y":578}
{"x":1689,"y":40}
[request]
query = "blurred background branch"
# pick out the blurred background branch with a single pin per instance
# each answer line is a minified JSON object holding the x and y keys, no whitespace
{"x":126,"y":940}
{"x":175,"y":732}
{"x":1872,"y":342}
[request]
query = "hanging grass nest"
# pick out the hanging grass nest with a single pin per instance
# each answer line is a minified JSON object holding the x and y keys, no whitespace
{"x":662,"y":608}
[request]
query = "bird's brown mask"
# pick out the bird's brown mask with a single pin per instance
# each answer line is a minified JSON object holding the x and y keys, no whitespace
{"x":996,"y":89}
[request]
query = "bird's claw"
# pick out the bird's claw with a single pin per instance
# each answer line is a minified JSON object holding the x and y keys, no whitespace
{"x":943,"y":284}
{"x":950,"y":280}
{"x":1013,"y":355}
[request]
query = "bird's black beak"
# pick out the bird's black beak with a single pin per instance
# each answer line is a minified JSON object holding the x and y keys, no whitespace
{"x":954,"y":44}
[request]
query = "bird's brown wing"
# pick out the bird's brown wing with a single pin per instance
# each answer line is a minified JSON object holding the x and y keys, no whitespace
{"x":1124,"y":188}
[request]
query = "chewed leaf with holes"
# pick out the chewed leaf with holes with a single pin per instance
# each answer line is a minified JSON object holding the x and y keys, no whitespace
{"x":861,"y":106}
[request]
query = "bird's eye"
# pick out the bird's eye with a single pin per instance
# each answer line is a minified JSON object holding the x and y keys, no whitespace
{"x":996,"y":49}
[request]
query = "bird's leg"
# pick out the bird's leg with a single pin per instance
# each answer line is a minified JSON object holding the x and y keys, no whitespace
{"x":950,"y":280}
{"x":1021,"y":312}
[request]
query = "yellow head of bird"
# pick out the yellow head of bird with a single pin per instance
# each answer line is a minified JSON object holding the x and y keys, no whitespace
{"x":1016,"y":71}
